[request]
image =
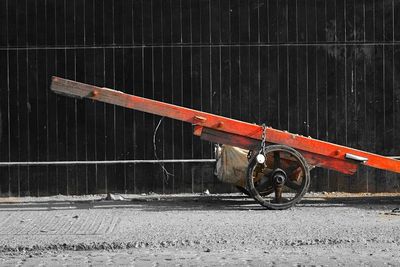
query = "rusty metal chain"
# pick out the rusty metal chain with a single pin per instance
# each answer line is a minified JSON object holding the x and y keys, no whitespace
{"x":261,"y":154}
{"x":263,"y":139}
{"x":263,"y":143}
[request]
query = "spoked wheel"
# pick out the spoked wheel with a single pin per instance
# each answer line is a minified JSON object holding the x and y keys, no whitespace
{"x":281,"y":181}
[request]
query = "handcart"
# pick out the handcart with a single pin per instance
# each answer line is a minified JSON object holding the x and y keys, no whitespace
{"x":279,"y":162}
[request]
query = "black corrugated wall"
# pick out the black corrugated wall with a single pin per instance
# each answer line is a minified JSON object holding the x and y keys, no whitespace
{"x":324,"y":68}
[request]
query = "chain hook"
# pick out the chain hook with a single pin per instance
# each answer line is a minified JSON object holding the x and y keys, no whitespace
{"x":261,"y":155}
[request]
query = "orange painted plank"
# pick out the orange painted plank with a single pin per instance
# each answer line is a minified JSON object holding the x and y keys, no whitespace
{"x":195,"y":117}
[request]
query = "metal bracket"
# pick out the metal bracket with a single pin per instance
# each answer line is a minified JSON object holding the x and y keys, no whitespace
{"x":356,"y":158}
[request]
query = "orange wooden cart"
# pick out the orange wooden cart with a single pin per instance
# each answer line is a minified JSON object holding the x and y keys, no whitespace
{"x":278,"y":173}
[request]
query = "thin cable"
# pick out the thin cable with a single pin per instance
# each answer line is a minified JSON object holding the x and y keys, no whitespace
{"x":166,"y":174}
{"x":101,"y":162}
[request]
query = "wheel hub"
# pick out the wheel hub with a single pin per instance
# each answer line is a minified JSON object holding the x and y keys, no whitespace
{"x":279,"y":177}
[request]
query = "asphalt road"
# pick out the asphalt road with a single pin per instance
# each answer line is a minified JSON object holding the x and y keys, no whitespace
{"x":197,"y":230}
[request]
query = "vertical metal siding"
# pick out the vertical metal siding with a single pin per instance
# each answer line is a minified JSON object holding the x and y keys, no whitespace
{"x":325,"y":68}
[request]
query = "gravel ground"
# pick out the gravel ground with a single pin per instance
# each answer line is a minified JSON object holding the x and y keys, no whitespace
{"x":325,"y":229}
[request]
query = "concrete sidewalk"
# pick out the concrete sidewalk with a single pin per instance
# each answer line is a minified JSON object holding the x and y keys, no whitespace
{"x":352,"y":226}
